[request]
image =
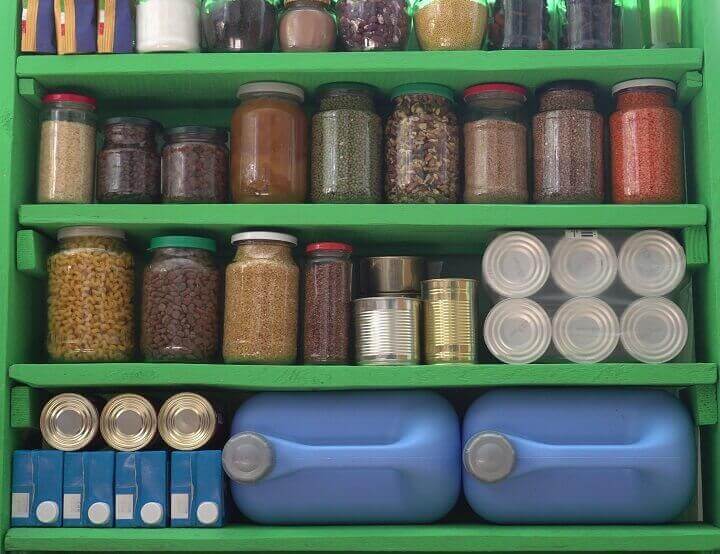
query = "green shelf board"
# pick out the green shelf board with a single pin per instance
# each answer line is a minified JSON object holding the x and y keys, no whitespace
{"x":214,"y":78}
{"x":298,"y":377}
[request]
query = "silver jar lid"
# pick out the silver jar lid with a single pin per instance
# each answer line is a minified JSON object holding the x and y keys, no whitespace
{"x":652,"y":263}
{"x":516,"y":265}
{"x":584,"y":265}
{"x":247,"y":457}
{"x":654,"y":330}
{"x":489,"y":457}
{"x":585,"y":330}
{"x":517,"y":331}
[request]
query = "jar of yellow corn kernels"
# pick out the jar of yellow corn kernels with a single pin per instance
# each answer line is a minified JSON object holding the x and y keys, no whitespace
{"x":90,"y":297}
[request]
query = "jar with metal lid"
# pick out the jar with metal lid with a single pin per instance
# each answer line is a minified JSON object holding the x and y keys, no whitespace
{"x":646,"y":146}
{"x":128,"y":165}
{"x":168,"y":25}
{"x":328,"y":303}
{"x":661,"y":22}
{"x":568,"y":134}
{"x":238,"y":25}
{"x":450,"y":320}
{"x":181,"y":308}
{"x":450,"y":24}
{"x":128,"y":422}
{"x":422,"y":146}
{"x":261,"y":300}
{"x":387,"y":331}
{"x":520,"y":25}
{"x":69,"y":422}
{"x":90,"y":297}
{"x":496,"y":144}
{"x":372,"y":25}
{"x":307,"y":26}
{"x":346,"y":160}
{"x":66,"y":156}
{"x":188,"y":421}
{"x":269,"y":145}
{"x":195,"y":165}
{"x":593,"y":24}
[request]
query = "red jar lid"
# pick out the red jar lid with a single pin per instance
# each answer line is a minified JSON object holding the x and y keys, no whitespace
{"x":494,"y":87}
{"x":329,"y":247}
{"x":69,"y":97}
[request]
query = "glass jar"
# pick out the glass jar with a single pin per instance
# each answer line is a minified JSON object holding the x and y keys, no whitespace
{"x":422,"y":142}
{"x":66,"y":156}
{"x":195,"y":165}
{"x":568,"y":134}
{"x":346,"y":164}
{"x":496,"y":144}
{"x":128,"y":165}
{"x":181,"y":301}
{"x":328,"y":303}
{"x":520,"y":25}
{"x":661,"y":23}
{"x":372,"y":25}
{"x":593,"y":24}
{"x":168,"y":25}
{"x":261,"y":300}
{"x":646,"y":143}
{"x":307,"y":26}
{"x":269,"y":144}
{"x":450,"y":24}
{"x":238,"y":25}
{"x":91,"y":278}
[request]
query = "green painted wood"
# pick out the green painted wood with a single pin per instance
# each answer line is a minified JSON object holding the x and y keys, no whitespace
{"x":32,"y":251}
{"x":696,"y":246}
{"x":32,"y":91}
{"x":25,"y":407}
{"x":689,"y":87}
{"x":703,"y":403}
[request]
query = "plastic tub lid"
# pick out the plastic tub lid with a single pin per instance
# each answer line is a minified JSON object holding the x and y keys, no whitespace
{"x":653,"y":330}
{"x":99,"y":513}
{"x":640,"y":83}
{"x":516,"y":264}
{"x":247,"y":457}
{"x":489,"y":457}
{"x":132,"y":120}
{"x":495,"y":87}
{"x":208,"y":513}
{"x":69,"y":97}
{"x":263,"y":235}
{"x":90,"y":231}
{"x":151,"y":513}
{"x":652,"y":263}
{"x":269,"y":87}
{"x":178,"y":241}
{"x":47,"y":512}
{"x":517,"y":331}
{"x":585,"y":330}
{"x":584,"y":266}
{"x":423,"y":88}
{"x":329,"y":247}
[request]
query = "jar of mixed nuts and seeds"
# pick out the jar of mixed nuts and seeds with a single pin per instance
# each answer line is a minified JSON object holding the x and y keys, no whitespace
{"x":450,"y":24}
{"x":520,"y":25}
{"x":66,"y":157}
{"x":422,"y":146}
{"x":307,"y":26}
{"x":372,"y":25}
{"x":261,"y":300}
{"x":195,"y":165}
{"x":128,"y":166}
{"x":90,"y":297}
{"x":181,"y":309}
{"x":346,"y":160}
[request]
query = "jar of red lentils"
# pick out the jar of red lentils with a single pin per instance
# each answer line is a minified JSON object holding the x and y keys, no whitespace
{"x":646,"y":143}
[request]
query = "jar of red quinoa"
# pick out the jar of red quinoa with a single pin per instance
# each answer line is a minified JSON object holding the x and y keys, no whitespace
{"x":646,"y":143}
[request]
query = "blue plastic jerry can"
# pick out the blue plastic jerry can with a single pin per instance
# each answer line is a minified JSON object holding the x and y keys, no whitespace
{"x":88,"y":485}
{"x":344,"y":457}
{"x":570,"y":456}
{"x":37,"y":488}
{"x":141,"y":489}
{"x":197,"y":489}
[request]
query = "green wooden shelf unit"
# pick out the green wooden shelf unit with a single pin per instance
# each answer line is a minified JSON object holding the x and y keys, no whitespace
{"x":200,"y":88}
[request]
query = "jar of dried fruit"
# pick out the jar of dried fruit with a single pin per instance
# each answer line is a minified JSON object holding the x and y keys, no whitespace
{"x":261,"y":300}
{"x":307,"y":26}
{"x":66,"y":157}
{"x":371,"y":25}
{"x":646,"y":143}
{"x":90,"y":297}
{"x":496,"y":144}
{"x":520,"y":25}
{"x":568,"y":137}
{"x":450,"y":24}
{"x":422,"y":142}
{"x":592,"y":24}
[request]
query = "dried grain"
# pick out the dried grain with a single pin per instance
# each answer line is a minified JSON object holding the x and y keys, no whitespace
{"x":451,"y":24}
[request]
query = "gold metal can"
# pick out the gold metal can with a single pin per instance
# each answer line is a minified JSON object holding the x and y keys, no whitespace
{"x":69,"y":422}
{"x":450,"y":311}
{"x":187,"y":421}
{"x":128,"y":422}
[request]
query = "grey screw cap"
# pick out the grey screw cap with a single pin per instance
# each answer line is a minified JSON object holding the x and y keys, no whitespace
{"x":247,"y":457}
{"x":489,"y":457}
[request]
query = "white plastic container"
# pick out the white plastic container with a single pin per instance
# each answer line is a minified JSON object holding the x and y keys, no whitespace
{"x":168,"y":25}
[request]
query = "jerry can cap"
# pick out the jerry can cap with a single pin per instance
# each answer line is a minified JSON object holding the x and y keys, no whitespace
{"x":247,"y":457}
{"x":489,"y":457}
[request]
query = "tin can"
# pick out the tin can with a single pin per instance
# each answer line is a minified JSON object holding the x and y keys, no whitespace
{"x":517,"y":331}
{"x":651,"y":263}
{"x":128,"y":422}
{"x":516,"y":265}
{"x":391,"y":274}
{"x":654,"y":330}
{"x":69,"y":422}
{"x":187,"y":421}
{"x":450,"y":318}
{"x":398,"y":295}
{"x":585,"y":330}
{"x":387,"y":331}
{"x":583,"y":263}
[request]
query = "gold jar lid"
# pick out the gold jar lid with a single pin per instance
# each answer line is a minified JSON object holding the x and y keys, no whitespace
{"x":187,"y":421}
{"x":128,"y":422}
{"x":69,"y":422}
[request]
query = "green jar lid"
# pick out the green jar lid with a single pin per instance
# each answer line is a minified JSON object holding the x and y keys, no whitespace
{"x":423,"y":88}
{"x":183,"y":242}
{"x":338,"y":88}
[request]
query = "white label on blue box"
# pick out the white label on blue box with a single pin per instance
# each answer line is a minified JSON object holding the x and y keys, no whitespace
{"x":179,"y":506}
{"x":123,"y":506}
{"x":20,"y":504}
{"x":72,"y":506}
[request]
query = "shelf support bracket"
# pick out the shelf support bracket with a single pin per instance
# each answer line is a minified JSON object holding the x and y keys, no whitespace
{"x":31,"y":90}
{"x":31,"y":253}
{"x":689,"y":87}
{"x":696,"y":246}
{"x":25,"y":406}
{"x":702,"y":400}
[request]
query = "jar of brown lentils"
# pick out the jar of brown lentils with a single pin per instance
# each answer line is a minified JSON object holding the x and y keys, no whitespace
{"x":90,"y":297}
{"x":261,"y":300}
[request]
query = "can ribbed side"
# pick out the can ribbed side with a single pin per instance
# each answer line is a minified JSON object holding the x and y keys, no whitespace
{"x":388,"y":336}
{"x":450,"y":321}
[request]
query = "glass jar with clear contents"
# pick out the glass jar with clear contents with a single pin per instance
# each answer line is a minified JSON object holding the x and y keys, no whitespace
{"x":307,"y":26}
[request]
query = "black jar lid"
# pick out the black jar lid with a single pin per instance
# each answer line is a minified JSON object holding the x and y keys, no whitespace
{"x":138,"y":121}
{"x":197,"y":131}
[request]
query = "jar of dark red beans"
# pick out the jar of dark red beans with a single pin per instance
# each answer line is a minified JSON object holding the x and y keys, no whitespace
{"x":367,"y":25}
{"x":646,"y":143}
{"x":328,"y":303}
{"x":195,"y":165}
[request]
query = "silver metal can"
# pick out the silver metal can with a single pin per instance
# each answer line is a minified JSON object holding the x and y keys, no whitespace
{"x":69,"y":422}
{"x":187,"y":421}
{"x":652,"y":263}
{"x":450,"y":318}
{"x":585,"y":330}
{"x":387,"y":331}
{"x":584,"y":264}
{"x":128,"y":422}
{"x":517,"y":331}
{"x":390,"y":274}
{"x":516,"y":265}
{"x":654,"y":330}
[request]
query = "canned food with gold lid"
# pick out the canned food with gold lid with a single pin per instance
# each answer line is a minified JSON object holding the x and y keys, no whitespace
{"x":69,"y":422}
{"x":128,"y":422}
{"x":187,"y":421}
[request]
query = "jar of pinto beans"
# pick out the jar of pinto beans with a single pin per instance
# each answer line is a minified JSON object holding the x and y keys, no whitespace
{"x":646,"y":143}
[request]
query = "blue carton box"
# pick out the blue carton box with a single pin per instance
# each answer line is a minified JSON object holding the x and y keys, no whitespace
{"x":197,"y":489}
{"x":37,"y":488}
{"x":88,"y":488}
{"x":141,"y":489}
